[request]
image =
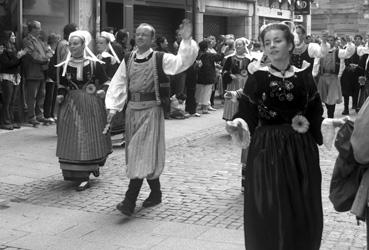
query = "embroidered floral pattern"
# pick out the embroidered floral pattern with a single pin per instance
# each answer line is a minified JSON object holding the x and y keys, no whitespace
{"x":281,"y":90}
{"x":266,"y":113}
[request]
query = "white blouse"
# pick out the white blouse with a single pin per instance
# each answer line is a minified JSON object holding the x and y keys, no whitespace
{"x":116,"y":95}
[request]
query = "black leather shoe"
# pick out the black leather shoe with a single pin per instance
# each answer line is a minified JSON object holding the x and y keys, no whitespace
{"x":126,"y":207}
{"x":34,"y":123}
{"x":152,"y":201}
{"x":7,"y":126}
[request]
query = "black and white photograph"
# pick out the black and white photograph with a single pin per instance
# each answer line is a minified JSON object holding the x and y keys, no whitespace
{"x":184,"y":124}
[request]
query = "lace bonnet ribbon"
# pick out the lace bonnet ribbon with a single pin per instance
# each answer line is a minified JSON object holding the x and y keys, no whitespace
{"x":85,"y":36}
{"x":111,"y":39}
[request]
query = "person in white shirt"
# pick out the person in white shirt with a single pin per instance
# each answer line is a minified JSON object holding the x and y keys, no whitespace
{"x":329,"y":69}
{"x":145,"y":87}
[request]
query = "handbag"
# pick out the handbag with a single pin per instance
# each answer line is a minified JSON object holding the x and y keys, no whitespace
{"x":347,"y":173}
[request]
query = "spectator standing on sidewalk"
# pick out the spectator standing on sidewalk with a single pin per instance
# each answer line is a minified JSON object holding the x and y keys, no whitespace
{"x":34,"y":63}
{"x":51,"y":86}
{"x":82,"y":148}
{"x":10,"y":61}
{"x":212,"y":44}
{"x":147,"y":84}
{"x":206,"y":74}
{"x":283,"y":111}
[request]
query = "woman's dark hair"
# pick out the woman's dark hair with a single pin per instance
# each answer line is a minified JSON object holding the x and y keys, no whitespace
{"x":159,"y":40}
{"x":278,"y":26}
{"x":122,"y":35}
{"x":302,"y":28}
{"x":6,"y":35}
{"x":53,"y":39}
{"x":204,"y":45}
{"x":69,"y":28}
{"x":4,"y":40}
{"x":132,"y":42}
{"x":108,"y":29}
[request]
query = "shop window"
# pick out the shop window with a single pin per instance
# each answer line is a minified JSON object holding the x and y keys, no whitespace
{"x":8,"y":15}
{"x":53,"y":14}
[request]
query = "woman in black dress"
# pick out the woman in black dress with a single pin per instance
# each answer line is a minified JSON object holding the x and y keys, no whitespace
{"x":283,"y":110}
{"x":82,"y":148}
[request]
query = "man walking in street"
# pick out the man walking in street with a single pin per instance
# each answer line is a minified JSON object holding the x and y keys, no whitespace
{"x":145,"y":87}
{"x":34,"y":64}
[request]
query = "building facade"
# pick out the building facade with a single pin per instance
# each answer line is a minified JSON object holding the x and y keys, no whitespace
{"x":210,"y":17}
{"x":53,"y":15}
{"x":341,"y":17}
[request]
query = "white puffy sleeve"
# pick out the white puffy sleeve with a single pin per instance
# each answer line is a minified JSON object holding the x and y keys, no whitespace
{"x":116,"y":95}
{"x":348,"y":52}
{"x":318,"y":51}
{"x":316,"y":66}
{"x":186,"y":56}
{"x":362,"y":50}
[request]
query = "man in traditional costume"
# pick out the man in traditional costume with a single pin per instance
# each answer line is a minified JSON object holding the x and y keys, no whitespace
{"x":82,"y":147}
{"x":329,"y":68}
{"x":145,"y":87}
{"x":350,"y":78}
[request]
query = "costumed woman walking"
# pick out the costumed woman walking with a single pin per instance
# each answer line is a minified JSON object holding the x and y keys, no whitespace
{"x":283,"y":110}
{"x":235,"y":75}
{"x":82,"y":148}
{"x":234,"y":78}
{"x":107,"y":54}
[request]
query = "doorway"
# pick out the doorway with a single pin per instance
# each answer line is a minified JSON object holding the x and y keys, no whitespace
{"x":112,"y":14}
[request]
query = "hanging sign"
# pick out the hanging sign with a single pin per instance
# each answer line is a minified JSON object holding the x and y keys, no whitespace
{"x":302,"y":7}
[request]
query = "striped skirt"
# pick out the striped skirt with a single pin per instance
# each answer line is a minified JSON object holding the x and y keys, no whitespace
{"x":81,"y":120}
{"x":230,"y":108}
{"x":145,"y":142}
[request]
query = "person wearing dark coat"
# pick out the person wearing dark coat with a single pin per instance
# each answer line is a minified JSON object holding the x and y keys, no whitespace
{"x":206,"y":74}
{"x":10,"y":60}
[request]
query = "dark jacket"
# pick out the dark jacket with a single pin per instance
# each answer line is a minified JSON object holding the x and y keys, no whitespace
{"x":34,"y":59}
{"x":10,"y":64}
{"x":206,"y":73}
{"x":119,"y":50}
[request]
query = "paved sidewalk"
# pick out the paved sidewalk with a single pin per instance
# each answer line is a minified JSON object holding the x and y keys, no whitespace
{"x":202,"y":205}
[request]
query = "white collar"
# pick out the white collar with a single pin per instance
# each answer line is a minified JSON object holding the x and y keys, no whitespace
{"x":244,"y":55}
{"x":145,"y":54}
{"x":289,"y":73}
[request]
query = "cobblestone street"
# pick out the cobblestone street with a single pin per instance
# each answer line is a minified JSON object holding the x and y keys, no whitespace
{"x":201,"y":187}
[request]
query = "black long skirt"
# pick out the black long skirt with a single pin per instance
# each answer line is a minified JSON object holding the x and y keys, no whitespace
{"x":363,"y":95}
{"x":81,"y":145}
{"x":283,"y":205}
